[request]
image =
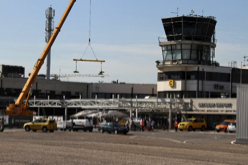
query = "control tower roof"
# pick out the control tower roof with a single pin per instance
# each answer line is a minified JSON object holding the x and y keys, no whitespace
{"x":192,"y":27}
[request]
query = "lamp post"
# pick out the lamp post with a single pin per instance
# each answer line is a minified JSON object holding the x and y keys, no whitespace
{"x":241,"y":74}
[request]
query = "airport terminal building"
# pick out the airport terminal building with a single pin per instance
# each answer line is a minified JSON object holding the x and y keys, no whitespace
{"x":187,"y":75}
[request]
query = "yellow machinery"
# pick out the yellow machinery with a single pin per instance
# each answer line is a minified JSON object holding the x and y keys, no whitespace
{"x":18,"y":109}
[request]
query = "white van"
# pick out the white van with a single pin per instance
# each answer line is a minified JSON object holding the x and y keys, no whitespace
{"x":81,"y":123}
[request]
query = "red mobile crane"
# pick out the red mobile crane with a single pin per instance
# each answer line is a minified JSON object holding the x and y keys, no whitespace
{"x":18,"y":109}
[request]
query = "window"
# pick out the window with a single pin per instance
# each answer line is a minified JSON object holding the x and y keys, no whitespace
{"x":176,"y":54}
{"x":192,"y":75}
{"x":175,"y":75}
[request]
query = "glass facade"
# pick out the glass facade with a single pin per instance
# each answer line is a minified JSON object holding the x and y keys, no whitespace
{"x":190,"y":28}
{"x":186,"y":52}
{"x":195,"y":75}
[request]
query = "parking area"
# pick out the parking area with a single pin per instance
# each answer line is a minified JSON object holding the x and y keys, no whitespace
{"x":193,"y":137}
{"x":155,"y":147}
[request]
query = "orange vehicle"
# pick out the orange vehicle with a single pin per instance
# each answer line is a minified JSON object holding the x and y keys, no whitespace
{"x":223,"y":126}
{"x":20,"y":109}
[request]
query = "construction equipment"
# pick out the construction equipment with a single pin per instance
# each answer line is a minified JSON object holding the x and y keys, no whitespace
{"x":18,"y":109}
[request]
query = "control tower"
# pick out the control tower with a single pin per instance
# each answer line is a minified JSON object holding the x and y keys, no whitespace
{"x":187,"y":68}
{"x":189,"y":40}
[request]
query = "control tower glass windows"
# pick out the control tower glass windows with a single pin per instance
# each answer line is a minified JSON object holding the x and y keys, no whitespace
{"x":167,"y":52}
{"x":206,"y":53}
{"x":176,"y":52}
{"x":193,"y":52}
{"x":187,"y":53}
{"x":197,"y":28}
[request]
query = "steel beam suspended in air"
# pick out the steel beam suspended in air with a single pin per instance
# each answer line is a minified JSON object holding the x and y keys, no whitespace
{"x":87,"y":60}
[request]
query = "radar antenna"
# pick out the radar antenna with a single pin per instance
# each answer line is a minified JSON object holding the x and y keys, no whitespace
{"x":175,"y":12}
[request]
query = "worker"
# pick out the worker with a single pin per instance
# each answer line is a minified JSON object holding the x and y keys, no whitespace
{"x":176,"y":125}
{"x":142,"y":124}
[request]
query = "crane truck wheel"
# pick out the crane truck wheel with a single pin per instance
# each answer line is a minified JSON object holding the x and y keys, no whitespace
{"x":44,"y":129}
{"x":27,"y":128}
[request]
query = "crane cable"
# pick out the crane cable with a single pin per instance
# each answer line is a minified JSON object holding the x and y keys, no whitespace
{"x":89,"y":35}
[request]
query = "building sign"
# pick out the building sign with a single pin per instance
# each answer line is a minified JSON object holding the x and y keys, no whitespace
{"x":215,"y":105}
{"x":171,"y":83}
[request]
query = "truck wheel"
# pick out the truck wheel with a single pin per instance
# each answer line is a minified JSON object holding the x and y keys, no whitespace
{"x":190,"y":128}
{"x":44,"y":129}
{"x":27,"y":128}
{"x":202,"y":128}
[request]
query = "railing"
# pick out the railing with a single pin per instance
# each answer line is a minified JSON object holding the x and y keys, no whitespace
{"x":159,"y":104}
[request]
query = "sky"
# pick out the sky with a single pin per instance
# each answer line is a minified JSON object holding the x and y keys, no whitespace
{"x":124,"y":33}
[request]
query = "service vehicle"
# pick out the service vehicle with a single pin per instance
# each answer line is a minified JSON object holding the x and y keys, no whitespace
{"x":81,"y":123}
{"x":231,"y":127}
{"x":41,"y":124}
{"x":223,"y":126}
{"x":191,"y":124}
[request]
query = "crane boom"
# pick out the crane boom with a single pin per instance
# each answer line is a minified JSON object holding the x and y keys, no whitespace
{"x":18,"y":108}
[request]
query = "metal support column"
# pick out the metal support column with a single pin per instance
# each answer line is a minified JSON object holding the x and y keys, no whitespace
{"x":136,"y":107}
{"x":169,"y":119}
{"x":65,"y":113}
{"x":38,"y":111}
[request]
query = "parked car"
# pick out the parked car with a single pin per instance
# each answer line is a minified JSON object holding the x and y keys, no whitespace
{"x":112,"y":128}
{"x":231,"y":127}
{"x":223,"y":126}
{"x":193,"y":124}
{"x":101,"y":125}
{"x":41,"y":124}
